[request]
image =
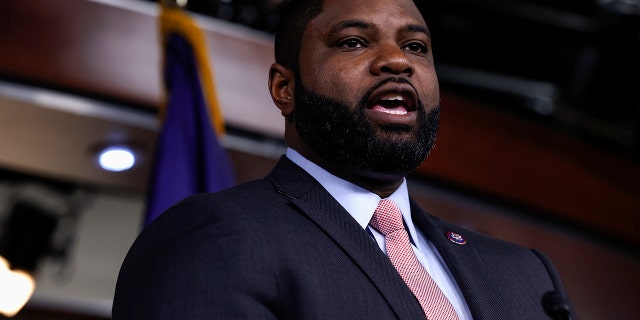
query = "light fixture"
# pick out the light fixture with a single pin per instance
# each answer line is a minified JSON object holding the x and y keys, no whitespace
{"x":16,"y":288}
{"x":38,"y":220}
{"x":116,"y":158}
{"x":24,"y":240}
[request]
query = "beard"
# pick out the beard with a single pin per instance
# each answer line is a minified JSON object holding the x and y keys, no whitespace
{"x":341,"y":134}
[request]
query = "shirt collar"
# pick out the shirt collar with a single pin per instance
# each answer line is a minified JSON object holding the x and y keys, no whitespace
{"x":359,"y":202}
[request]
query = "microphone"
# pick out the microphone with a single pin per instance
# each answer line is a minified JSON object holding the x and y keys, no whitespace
{"x":556,"y":306}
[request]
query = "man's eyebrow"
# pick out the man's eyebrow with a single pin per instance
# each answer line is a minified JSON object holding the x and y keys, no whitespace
{"x":419,"y":28}
{"x":346,"y":24}
{"x":359,"y":24}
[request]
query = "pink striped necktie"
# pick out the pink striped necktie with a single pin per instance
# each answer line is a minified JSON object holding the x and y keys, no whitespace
{"x":387,"y":219}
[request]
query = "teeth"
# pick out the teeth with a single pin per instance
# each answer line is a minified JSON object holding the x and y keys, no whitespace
{"x":395,"y":112}
{"x":393,"y":98}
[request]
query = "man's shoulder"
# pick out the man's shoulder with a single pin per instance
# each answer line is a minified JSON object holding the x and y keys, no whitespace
{"x":236,"y":198}
{"x":205,"y":208}
{"x":245,"y":191}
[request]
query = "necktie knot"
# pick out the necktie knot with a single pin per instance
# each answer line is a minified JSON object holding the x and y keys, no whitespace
{"x":387,"y":218}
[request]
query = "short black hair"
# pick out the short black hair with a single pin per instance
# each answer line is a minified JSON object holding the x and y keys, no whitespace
{"x":295,"y":15}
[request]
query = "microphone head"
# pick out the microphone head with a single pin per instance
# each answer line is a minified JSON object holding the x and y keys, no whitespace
{"x":556,"y":306}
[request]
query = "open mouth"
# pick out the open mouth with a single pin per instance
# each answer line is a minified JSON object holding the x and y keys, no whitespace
{"x":397,"y":99}
{"x":392,"y":104}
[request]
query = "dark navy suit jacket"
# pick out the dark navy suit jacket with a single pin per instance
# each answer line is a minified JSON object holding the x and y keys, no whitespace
{"x":283,"y":248}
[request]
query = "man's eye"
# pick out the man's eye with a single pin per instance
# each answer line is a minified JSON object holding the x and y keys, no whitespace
{"x":352,"y":43}
{"x":416,"y":47}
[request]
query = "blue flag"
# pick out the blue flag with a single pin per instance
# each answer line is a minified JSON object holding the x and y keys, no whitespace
{"x":188,"y":157}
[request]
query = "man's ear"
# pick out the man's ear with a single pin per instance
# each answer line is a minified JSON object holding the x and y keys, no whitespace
{"x":282,"y":86}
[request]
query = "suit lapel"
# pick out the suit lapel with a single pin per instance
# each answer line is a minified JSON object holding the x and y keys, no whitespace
{"x":318,"y":205}
{"x":465,"y":263}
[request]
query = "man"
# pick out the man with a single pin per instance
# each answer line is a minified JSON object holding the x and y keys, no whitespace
{"x":356,"y":83}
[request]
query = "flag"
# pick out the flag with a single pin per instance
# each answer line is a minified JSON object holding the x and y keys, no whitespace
{"x":188,"y":157}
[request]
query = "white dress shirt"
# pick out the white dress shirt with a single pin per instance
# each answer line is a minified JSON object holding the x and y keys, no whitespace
{"x":361,"y":204}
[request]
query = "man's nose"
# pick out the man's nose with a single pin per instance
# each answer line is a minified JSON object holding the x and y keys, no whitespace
{"x":391,"y":59}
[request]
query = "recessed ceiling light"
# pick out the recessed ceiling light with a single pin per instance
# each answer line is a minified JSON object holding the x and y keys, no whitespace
{"x":116,"y":159}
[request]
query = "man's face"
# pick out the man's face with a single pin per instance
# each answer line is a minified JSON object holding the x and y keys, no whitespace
{"x":367,"y":92}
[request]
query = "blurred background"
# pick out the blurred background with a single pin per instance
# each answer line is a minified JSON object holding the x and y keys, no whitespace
{"x":539,"y":140}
